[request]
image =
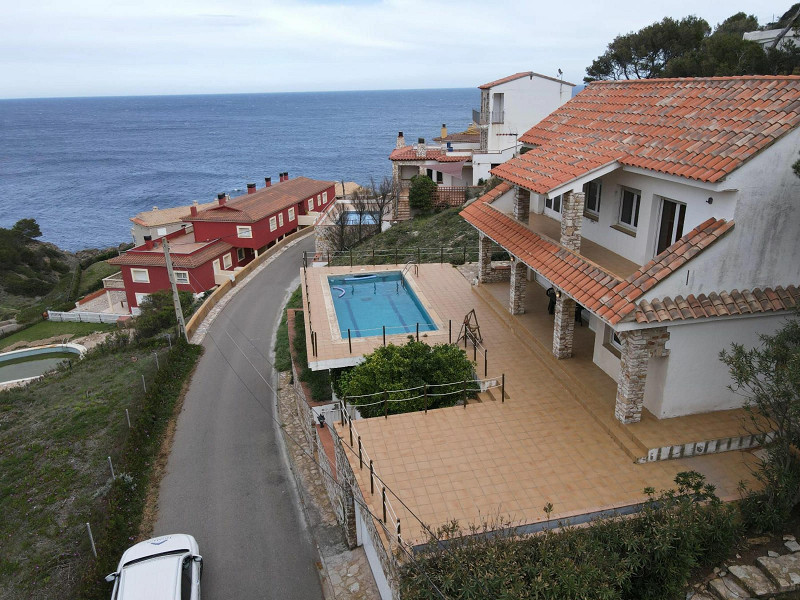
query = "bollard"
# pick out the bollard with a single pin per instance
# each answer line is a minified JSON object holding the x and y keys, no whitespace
{"x":91,"y":539}
{"x":128,"y":417}
{"x":111,"y":466}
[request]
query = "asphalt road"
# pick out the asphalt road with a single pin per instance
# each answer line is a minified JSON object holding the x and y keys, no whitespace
{"x":228,"y":482}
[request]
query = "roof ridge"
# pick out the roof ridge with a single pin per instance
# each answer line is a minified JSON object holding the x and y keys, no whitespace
{"x":714,"y":78}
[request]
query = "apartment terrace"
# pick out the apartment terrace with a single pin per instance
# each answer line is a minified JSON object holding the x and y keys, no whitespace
{"x":543,"y":444}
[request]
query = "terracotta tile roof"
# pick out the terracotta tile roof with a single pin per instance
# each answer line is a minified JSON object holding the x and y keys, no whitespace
{"x":155,"y":258}
{"x":698,"y":128}
{"x":265,"y":202}
{"x":515,"y":76}
{"x":600,"y":291}
{"x":410,"y":153}
{"x":718,"y":304}
{"x":163,"y":216}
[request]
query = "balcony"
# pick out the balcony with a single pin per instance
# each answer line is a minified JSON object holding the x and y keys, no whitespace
{"x":114,"y":282}
{"x":476,"y":117}
{"x":498,"y":116}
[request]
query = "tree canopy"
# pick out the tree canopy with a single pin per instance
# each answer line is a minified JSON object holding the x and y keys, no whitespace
{"x":689,"y":48}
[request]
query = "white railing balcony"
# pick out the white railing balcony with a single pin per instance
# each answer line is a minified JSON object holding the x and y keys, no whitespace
{"x":114,"y":282}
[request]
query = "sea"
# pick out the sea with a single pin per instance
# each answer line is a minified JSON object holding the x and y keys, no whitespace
{"x":83,"y":166}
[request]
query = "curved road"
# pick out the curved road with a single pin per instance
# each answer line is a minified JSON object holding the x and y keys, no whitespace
{"x":227,"y":480}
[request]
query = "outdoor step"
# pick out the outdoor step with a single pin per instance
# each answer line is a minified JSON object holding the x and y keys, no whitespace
{"x":495,"y":393}
{"x":783,"y":571}
{"x":726,"y":588}
{"x":753,"y":580}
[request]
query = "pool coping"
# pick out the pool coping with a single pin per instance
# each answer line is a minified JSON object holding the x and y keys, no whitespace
{"x":24,"y":352}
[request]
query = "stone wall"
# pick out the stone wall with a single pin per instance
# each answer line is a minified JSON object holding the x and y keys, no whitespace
{"x":637,"y":348}
{"x":344,"y":491}
{"x":563,"y":327}
{"x":572,"y":220}
{"x":487,"y":273}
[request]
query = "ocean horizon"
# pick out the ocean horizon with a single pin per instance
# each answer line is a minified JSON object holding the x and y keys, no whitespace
{"x":83,"y":166}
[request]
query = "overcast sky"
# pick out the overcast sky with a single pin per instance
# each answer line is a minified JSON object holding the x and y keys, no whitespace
{"x":134,"y":47}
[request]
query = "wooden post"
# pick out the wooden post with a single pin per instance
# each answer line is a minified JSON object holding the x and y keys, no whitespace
{"x":503,"y":388}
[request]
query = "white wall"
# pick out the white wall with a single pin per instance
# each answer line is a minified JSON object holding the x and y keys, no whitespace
{"x":526,"y":102}
{"x":604,"y":358}
{"x":692,"y":379}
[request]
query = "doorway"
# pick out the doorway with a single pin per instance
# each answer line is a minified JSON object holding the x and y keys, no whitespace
{"x":671,"y":228}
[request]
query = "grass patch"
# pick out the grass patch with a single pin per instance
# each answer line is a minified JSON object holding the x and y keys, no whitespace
{"x":283,"y":359}
{"x":318,"y":381}
{"x":55,"y":437}
{"x":48,"y":329}
{"x":92,"y":277}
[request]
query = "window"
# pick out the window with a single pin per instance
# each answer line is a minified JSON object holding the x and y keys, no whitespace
{"x":273,"y":223}
{"x":291,"y":214}
{"x":280,"y":220}
{"x":227,"y":261}
{"x":140,"y":275}
{"x":629,"y":208}
{"x":439,"y":177}
{"x":240,"y":254}
{"x":324,"y":197}
{"x":181,"y":277}
{"x":553,"y":203}
{"x":140,"y":298}
{"x":310,"y":204}
{"x":244,"y":231}
{"x":161,"y":231}
{"x":592,"y":192}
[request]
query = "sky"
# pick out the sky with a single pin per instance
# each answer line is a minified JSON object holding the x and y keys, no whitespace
{"x":150,"y":47}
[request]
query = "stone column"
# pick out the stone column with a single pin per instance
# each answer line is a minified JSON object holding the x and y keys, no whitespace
{"x":484,"y":258}
{"x":563,"y":327}
{"x":522,"y":204}
{"x":572,"y":220}
{"x":637,"y":348}
{"x":519,"y":283}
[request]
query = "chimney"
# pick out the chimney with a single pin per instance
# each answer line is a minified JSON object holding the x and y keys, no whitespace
{"x":268,"y":181}
{"x":251,"y":188}
{"x":280,"y":177}
{"x":148,"y":242}
{"x":421,"y":150}
{"x":286,"y":175}
{"x":444,"y":130}
{"x":193,"y":209}
{"x":221,"y":198}
{"x":401,"y":141}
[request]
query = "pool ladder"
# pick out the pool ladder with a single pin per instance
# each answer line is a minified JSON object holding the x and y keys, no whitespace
{"x":409,"y":264}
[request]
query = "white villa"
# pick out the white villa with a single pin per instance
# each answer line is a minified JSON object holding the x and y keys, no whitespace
{"x":509,"y":107}
{"x":667,"y":210}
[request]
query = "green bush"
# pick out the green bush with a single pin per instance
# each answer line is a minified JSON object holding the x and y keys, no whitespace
{"x":158,"y":313}
{"x":318,"y":381}
{"x":392,"y":368}
{"x":650,"y":556}
{"x":420,"y":194}
{"x":283,"y":359}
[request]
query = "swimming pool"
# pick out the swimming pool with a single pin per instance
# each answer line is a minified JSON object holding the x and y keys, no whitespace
{"x":365,"y":303}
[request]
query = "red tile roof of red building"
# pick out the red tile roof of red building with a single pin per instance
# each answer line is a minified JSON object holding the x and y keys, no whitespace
{"x":698,"y":128}
{"x":717,"y":305}
{"x":263,"y":203}
{"x":602,"y":292}
{"x":155,"y":257}
{"x":410,"y":153}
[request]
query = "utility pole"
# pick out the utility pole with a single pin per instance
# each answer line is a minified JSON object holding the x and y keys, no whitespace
{"x":175,"y":298}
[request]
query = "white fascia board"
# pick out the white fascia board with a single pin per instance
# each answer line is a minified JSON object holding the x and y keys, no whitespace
{"x":631,"y":325}
{"x":578,"y":182}
{"x":720,"y":186}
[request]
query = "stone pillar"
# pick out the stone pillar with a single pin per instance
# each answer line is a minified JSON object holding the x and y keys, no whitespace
{"x":563,"y":327}
{"x":522,"y":204}
{"x":572,"y":220}
{"x":637,"y":348}
{"x":484,"y":124}
{"x":519,"y":283}
{"x":484,"y":258}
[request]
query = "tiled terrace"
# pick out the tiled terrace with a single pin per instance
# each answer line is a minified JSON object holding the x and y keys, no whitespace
{"x":509,"y":459}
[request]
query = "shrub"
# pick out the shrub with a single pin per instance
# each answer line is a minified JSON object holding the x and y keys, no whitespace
{"x":158,"y":313}
{"x":283,"y":359}
{"x":646,"y":557}
{"x":397,"y":368}
{"x":420,"y":194}
{"x":318,"y":381}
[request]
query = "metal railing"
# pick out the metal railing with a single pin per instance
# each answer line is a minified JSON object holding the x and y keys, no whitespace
{"x":393,"y":256}
{"x":82,"y":317}
{"x":114,"y":282}
{"x":476,"y":117}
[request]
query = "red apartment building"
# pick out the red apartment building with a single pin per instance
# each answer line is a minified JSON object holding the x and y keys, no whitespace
{"x":217,"y":240}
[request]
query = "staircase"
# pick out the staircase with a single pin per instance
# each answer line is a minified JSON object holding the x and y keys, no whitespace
{"x":770,"y":576}
{"x":403,"y":208}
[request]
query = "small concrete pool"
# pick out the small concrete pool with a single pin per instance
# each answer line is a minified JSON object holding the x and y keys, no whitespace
{"x":30,"y":363}
{"x":365,"y":303}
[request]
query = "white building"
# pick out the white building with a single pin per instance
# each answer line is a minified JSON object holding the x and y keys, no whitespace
{"x":509,"y":107}
{"x":667,"y":210}
{"x":766,"y":38}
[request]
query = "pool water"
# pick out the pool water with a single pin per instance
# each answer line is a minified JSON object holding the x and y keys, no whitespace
{"x":366,"y":302}
{"x":32,"y":366}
